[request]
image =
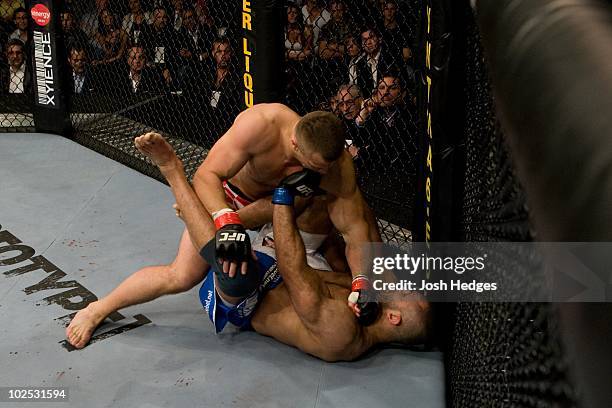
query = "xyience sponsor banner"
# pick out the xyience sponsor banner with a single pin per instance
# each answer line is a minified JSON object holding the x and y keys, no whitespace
{"x":45,"y":59}
{"x":43,"y":62}
{"x":492,"y":272}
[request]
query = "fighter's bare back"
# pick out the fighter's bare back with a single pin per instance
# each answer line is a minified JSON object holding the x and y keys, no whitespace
{"x":267,"y":164}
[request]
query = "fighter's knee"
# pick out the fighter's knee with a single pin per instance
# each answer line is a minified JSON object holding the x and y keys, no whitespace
{"x":182,"y":279}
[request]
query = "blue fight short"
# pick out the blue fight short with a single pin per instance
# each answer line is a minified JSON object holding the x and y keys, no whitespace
{"x":239,"y":315}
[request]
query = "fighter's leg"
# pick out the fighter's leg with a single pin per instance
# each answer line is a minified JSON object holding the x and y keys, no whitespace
{"x":149,"y":283}
{"x":186,"y":271}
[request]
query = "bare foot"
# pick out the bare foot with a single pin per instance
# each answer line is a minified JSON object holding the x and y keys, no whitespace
{"x":82,"y":326}
{"x":155,"y":147}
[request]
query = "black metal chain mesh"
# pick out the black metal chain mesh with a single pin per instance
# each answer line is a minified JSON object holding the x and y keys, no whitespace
{"x":136,"y":67}
{"x":355,"y":58}
{"x":499,"y":354}
{"x":142,"y":65}
{"x":15,"y":69}
{"x":190,"y":86}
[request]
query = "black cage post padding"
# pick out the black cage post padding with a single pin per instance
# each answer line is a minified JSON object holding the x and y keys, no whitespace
{"x":49,"y":68}
{"x":262,"y":50}
{"x":442,"y":111}
{"x":551,"y":70}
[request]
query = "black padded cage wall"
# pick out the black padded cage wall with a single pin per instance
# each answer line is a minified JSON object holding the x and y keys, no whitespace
{"x":496,"y":354}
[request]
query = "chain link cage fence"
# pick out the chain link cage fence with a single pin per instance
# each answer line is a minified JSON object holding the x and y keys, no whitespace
{"x":356,"y":59}
{"x":15,"y":69}
{"x":143,"y":65}
{"x":171,"y":66}
{"x":498,"y":354}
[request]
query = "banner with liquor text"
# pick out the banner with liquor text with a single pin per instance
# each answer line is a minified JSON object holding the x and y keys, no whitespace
{"x":262,"y":47}
{"x":48,"y":58}
{"x":492,"y":271}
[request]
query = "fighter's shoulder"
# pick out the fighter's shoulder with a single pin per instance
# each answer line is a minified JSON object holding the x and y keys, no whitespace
{"x":267,"y":116}
{"x":272,"y":113}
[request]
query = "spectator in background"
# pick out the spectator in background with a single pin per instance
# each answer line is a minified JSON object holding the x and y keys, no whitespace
{"x":395,"y":33}
{"x":352,"y":56}
{"x":20,"y":19}
{"x":301,"y":88}
{"x":112,"y":40}
{"x":377,"y":59}
{"x":316,"y":17}
{"x":335,"y":31}
{"x":387,"y":130}
{"x":15,"y":77}
{"x":294,"y":15}
{"x":89,"y":24}
{"x":225,"y":90}
{"x":194,"y":44}
{"x":134,"y":22}
{"x":204,"y":17}
{"x":348,"y":106}
{"x":160,"y":40}
{"x":176,"y":15}
{"x":82,"y":81}
{"x":138,"y":79}
{"x":72,"y":32}
{"x":195,"y":39}
{"x":216,"y":87}
{"x":298,"y":42}
{"x":331,"y":67}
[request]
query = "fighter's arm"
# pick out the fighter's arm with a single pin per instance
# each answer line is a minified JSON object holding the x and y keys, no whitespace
{"x":229,"y":154}
{"x":350,"y":213}
{"x":306,"y":288}
{"x":259,"y":212}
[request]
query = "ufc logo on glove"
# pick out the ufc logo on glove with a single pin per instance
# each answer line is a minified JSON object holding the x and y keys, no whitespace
{"x":233,"y":236}
{"x":305,"y":190}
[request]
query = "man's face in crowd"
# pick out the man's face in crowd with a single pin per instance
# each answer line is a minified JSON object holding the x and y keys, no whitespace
{"x":136,"y":59}
{"x":177,"y":4}
{"x":21,"y":20}
{"x":347,"y":105}
{"x":337,"y":11}
{"x":189,"y":20}
{"x":15,"y":56}
{"x":107,"y":18}
{"x":389,"y":11}
{"x":389,"y":91}
{"x":370,"y":42}
{"x":222,"y":53}
{"x":134,"y":6}
{"x":101,"y":4}
{"x":67,"y":21}
{"x":160,"y":19}
{"x":352,"y":48}
{"x":78,"y":61}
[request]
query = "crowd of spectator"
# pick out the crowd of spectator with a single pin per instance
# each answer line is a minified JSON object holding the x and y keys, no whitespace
{"x":354,"y":58}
